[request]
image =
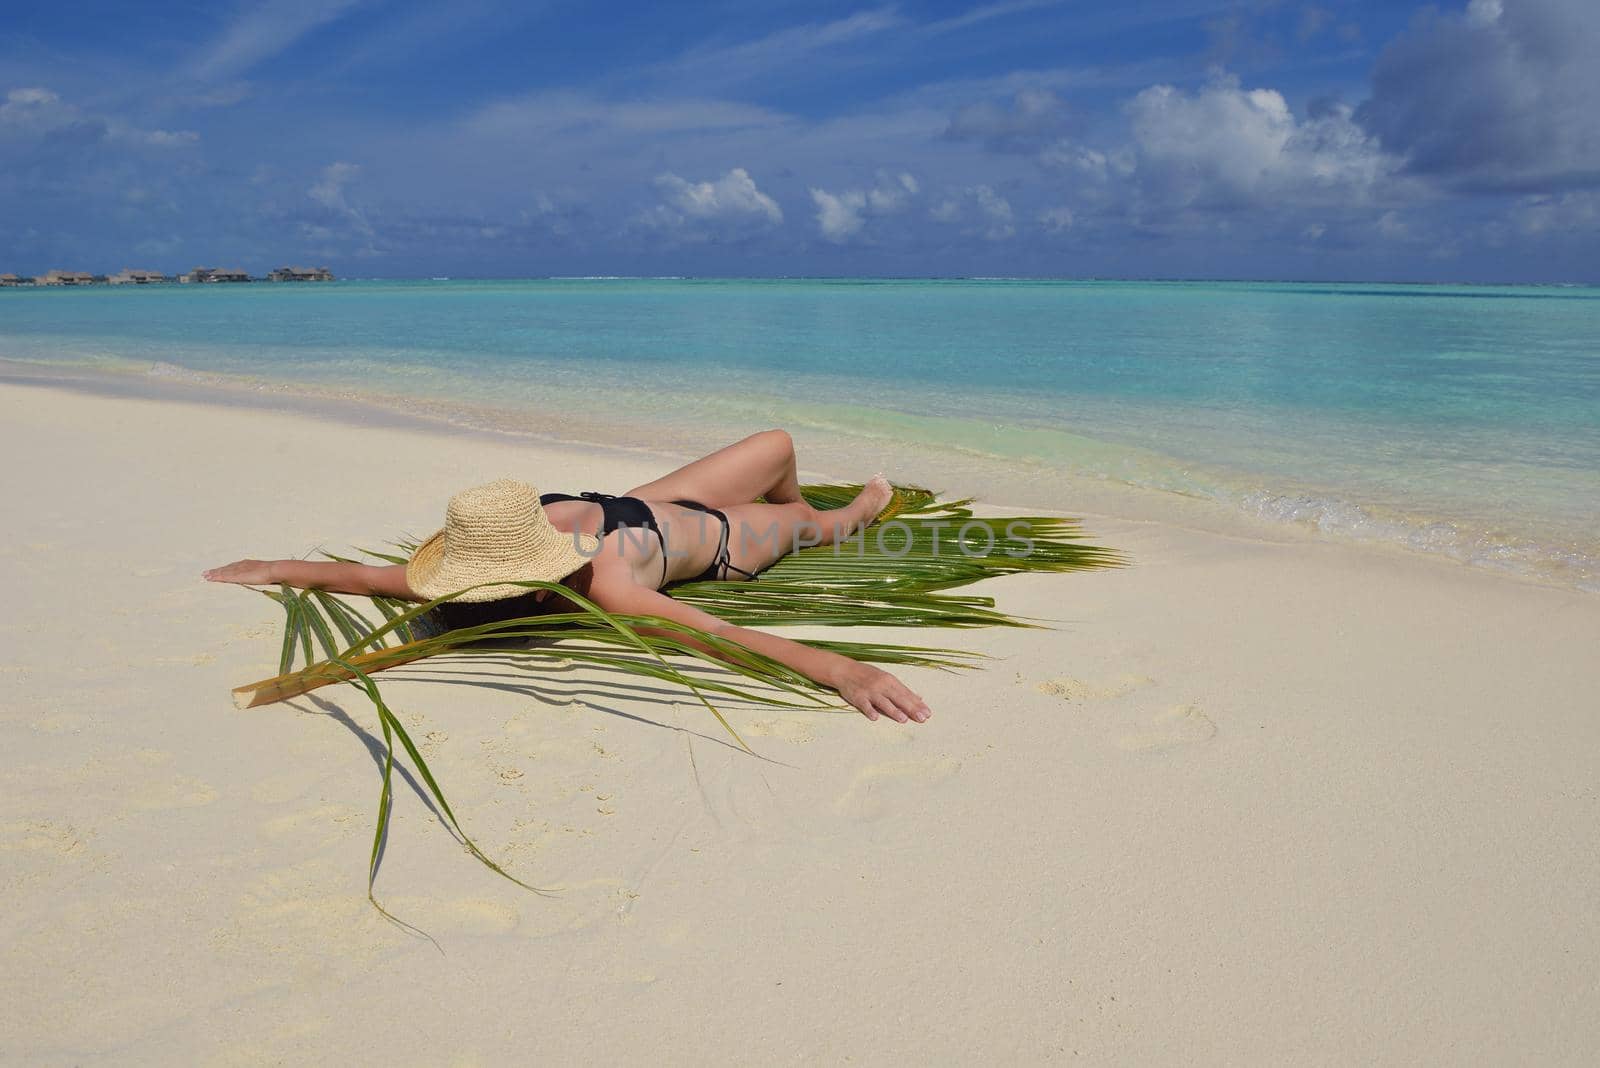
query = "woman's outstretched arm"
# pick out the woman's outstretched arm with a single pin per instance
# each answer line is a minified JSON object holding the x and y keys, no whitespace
{"x":365,"y":580}
{"x":870,"y":689}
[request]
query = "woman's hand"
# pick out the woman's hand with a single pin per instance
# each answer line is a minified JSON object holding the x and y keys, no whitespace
{"x":877,"y":693}
{"x":244,"y":572}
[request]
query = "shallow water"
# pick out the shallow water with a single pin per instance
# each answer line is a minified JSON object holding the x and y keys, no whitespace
{"x":1458,"y":420}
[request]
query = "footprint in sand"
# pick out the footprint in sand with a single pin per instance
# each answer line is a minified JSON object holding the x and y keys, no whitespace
{"x":506,"y":774}
{"x":253,"y":632}
{"x":786,"y":729}
{"x":871,"y":795}
{"x":182,"y":792}
{"x":1071,"y":689}
{"x":41,"y":836}
{"x":1178,"y":726}
{"x":293,"y":918}
{"x":196,"y":660}
{"x":328,"y":823}
{"x":282,"y":787}
{"x":462,"y":916}
{"x":60,"y":722}
{"x":141,"y":780}
{"x":156,"y":789}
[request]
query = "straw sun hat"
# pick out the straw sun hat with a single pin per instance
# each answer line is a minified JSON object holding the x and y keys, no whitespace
{"x":495,"y":533}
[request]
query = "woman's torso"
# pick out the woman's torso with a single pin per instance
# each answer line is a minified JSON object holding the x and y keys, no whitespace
{"x":660,"y":542}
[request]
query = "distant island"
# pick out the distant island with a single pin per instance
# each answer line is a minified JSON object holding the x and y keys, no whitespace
{"x":130,"y":277}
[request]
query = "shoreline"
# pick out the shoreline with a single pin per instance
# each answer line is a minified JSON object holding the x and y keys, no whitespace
{"x":975,"y":474}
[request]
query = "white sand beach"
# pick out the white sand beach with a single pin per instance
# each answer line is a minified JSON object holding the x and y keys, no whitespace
{"x":1251,"y":800}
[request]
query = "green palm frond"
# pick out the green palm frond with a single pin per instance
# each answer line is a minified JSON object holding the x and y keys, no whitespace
{"x":899,"y":572}
{"x":892,"y":574}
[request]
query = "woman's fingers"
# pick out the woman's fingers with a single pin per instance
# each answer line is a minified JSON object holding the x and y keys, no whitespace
{"x":881,"y":694}
{"x":908,"y":703}
{"x":244,"y":572}
{"x":885,"y":705}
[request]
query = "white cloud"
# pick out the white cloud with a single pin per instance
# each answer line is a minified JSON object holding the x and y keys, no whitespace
{"x":996,"y":212}
{"x":263,"y":31}
{"x":24,"y":97}
{"x":36,"y":113}
{"x":38,"y":110}
{"x":1569,"y":213}
{"x":983,"y":14}
{"x":1220,"y":148}
{"x":1083,"y":160}
{"x":545,"y":114}
{"x":171,"y":138}
{"x":993,"y":218}
{"x":1220,"y":139}
{"x":840,"y":216}
{"x":1227,"y":146}
{"x":329,"y":188}
{"x":1055,"y":220}
{"x":734,"y":196}
{"x":891,"y":193}
{"x":220,"y":96}
{"x":1035,"y":117}
{"x":761,"y":59}
{"x":1496,"y":97}
{"x":329,"y":191}
{"x":1484,"y":12}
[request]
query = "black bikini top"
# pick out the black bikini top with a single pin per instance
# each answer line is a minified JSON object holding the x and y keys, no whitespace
{"x":633,"y":513}
{"x":618,"y":513}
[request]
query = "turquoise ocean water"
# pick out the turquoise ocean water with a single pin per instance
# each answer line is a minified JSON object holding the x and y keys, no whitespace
{"x":1457,"y":420}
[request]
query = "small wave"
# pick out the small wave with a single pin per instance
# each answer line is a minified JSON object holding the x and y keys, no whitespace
{"x":1569,"y":565}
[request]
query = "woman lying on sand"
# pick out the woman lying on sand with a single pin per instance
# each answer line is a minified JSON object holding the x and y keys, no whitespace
{"x":702,"y":522}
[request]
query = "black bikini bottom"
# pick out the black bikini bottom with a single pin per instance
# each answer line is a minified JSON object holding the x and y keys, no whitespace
{"x":722,"y":563}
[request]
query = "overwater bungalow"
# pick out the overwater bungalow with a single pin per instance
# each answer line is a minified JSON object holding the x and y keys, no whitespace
{"x":301,"y":274}
{"x":215,"y":274}
{"x":129,"y":277}
{"x":66,"y":278}
{"x":14,"y":280}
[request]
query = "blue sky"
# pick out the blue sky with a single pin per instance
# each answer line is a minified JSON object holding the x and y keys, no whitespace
{"x":1166,"y":138}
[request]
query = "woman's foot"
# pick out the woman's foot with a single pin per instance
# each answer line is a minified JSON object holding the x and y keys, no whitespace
{"x":867,"y":506}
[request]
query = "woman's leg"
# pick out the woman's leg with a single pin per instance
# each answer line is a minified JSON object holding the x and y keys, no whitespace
{"x":762,"y":534}
{"x":759,"y":467}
